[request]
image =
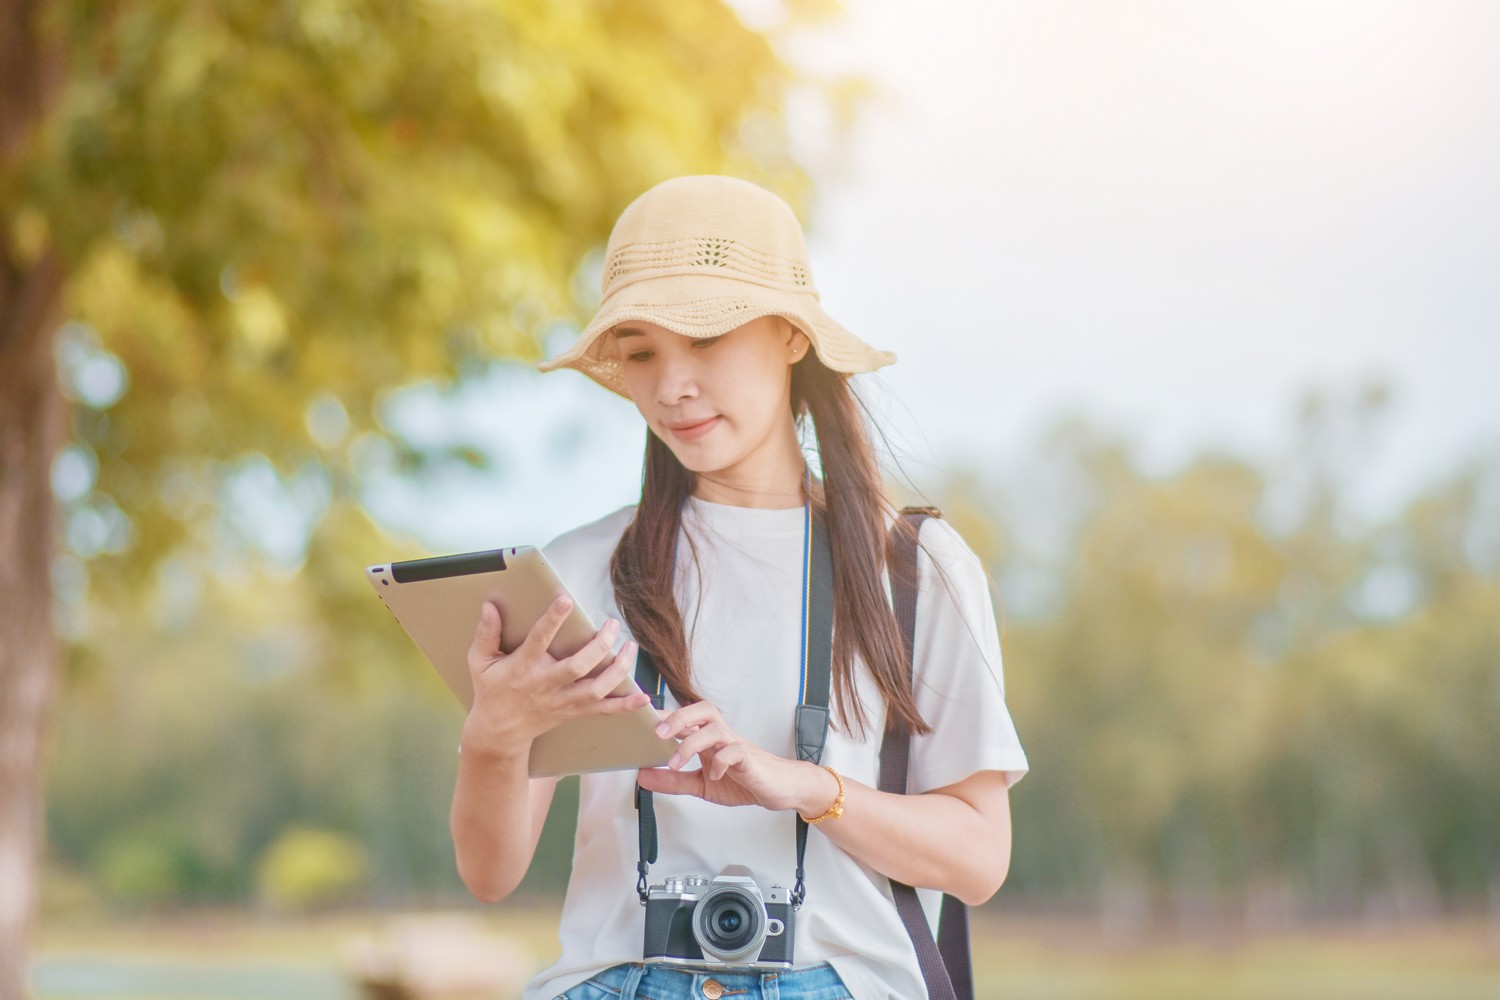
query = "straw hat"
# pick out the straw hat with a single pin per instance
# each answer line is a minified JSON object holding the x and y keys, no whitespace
{"x":702,"y":255}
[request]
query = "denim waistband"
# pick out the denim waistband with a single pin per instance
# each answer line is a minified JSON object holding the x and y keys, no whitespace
{"x":641,"y":981}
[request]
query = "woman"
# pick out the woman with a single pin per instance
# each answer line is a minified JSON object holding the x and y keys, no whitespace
{"x":711,"y":325}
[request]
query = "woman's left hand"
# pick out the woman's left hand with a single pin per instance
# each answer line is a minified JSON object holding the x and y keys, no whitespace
{"x":734,"y":772}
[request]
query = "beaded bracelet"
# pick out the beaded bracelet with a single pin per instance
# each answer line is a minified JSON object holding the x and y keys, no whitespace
{"x":836,"y":810}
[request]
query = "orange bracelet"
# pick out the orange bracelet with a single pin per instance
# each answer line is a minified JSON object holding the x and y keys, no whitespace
{"x":836,"y":810}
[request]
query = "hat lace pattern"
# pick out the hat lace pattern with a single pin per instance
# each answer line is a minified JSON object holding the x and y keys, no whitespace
{"x":709,"y":253}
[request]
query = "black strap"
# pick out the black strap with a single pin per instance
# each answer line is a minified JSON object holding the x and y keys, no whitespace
{"x":953,"y":944}
{"x":945,"y":967}
{"x":811,"y":721}
{"x":649,"y":679}
{"x":812,"y":713}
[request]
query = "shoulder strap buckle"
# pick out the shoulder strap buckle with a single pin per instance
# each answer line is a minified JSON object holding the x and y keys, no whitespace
{"x":928,"y":510}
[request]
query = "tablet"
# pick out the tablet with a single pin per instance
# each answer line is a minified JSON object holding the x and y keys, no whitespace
{"x":438,"y":600}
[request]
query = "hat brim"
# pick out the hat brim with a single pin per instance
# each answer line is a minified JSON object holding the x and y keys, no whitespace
{"x":706,"y":305}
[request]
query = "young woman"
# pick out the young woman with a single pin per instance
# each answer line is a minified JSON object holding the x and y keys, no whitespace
{"x":711,"y":326}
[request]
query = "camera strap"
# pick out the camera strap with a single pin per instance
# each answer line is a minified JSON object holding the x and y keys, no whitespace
{"x":814,"y":680}
{"x":946,"y":966}
{"x":945,"y":962}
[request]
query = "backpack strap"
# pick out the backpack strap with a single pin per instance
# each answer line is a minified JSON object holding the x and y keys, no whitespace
{"x":946,"y":966}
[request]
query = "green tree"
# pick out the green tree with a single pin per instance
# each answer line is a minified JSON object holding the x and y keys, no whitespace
{"x":1245,"y":699}
{"x":256,"y":217}
{"x":1145,"y":705}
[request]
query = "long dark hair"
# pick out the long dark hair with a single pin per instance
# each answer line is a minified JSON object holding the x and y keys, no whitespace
{"x":854,"y":507}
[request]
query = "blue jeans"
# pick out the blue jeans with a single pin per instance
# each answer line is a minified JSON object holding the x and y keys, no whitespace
{"x":638,"y":981}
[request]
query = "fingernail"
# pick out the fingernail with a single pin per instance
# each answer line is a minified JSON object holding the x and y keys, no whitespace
{"x":612,"y":626}
{"x":561,"y":603}
{"x":674,"y":761}
{"x":661,"y":730}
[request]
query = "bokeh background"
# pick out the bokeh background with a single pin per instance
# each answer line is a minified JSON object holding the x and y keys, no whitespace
{"x":1199,"y":333}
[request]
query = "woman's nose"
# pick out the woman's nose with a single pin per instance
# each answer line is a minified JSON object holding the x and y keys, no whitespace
{"x":677,"y":377}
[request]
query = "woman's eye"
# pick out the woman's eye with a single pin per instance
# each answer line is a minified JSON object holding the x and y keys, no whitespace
{"x":638,"y":356}
{"x":705,"y":341}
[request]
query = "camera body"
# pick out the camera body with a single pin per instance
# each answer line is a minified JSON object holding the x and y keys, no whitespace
{"x":724,"y":920}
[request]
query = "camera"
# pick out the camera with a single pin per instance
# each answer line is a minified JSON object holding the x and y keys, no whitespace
{"x":724,"y":920}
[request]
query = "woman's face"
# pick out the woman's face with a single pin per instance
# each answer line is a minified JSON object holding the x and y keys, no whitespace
{"x":722,"y":404}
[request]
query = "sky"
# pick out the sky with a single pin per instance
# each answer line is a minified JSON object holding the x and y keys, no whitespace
{"x":1172,"y":218}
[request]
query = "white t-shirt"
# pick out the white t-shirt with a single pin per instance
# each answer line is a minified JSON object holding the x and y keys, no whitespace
{"x":744,"y":641}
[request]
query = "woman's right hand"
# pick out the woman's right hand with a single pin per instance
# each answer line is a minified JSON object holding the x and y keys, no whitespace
{"x":520,"y":695}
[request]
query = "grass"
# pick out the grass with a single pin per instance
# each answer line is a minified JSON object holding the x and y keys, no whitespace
{"x":1072,"y":961}
{"x":1037,"y":959}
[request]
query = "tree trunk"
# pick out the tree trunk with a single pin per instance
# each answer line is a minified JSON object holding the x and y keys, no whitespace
{"x":32,"y":421}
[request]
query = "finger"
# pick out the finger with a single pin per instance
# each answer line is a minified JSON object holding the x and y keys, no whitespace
{"x":704,"y":741}
{"x":546,"y":628}
{"x":485,"y":649}
{"x":729,"y":757}
{"x":656,"y":779}
{"x":618,"y":704}
{"x":621,"y":667}
{"x":679,"y":735}
{"x":630,"y":654}
{"x":598,"y":649}
{"x":699,"y":713}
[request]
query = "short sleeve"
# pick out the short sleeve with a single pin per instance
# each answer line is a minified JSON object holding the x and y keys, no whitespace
{"x":960,"y":688}
{"x":581,"y":557}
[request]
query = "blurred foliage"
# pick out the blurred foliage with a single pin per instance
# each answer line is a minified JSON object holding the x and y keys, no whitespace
{"x":229,"y":727}
{"x":1242,"y":703}
{"x":1250,"y":704}
{"x":150,"y":866}
{"x":272,"y":216}
{"x":305,"y":868}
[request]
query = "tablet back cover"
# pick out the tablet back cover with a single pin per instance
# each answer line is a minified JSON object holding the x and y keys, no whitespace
{"x":437,"y":601}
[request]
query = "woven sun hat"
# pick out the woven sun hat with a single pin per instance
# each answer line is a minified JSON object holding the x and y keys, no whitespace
{"x":700,"y":256}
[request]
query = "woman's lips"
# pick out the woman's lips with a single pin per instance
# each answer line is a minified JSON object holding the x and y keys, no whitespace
{"x":693,"y":432}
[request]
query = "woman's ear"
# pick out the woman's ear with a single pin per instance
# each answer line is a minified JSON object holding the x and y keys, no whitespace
{"x":797,"y":342}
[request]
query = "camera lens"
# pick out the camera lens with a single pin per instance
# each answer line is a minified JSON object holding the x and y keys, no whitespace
{"x":730,"y":924}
